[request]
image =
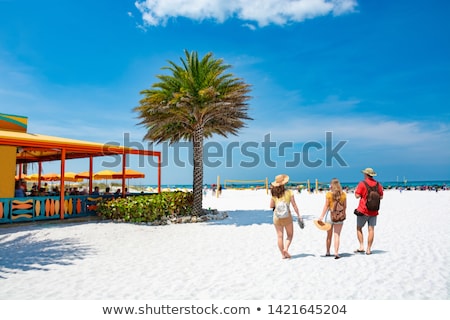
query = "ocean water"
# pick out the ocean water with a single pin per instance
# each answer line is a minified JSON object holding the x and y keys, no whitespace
{"x":323,"y":185}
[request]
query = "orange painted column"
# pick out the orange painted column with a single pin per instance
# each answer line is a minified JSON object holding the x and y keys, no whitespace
{"x":91,"y":169}
{"x":39,"y":176}
{"x":62,"y":188}
{"x":124,"y":165}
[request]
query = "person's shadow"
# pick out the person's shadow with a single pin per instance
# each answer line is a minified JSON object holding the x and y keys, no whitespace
{"x":242,"y":218}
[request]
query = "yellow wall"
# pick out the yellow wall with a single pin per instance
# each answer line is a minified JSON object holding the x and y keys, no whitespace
{"x":7,"y":171}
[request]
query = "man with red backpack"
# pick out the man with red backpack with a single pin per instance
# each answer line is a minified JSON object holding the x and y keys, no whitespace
{"x":369,"y":192}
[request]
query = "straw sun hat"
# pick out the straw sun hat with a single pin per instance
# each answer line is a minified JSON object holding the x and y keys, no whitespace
{"x":325,"y":226}
{"x":369,"y":172}
{"x":280,"y":180}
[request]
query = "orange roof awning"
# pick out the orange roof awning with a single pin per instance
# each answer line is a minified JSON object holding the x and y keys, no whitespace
{"x":37,"y":147}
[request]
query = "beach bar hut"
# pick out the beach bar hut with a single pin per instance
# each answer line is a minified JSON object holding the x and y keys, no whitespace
{"x":18,"y":147}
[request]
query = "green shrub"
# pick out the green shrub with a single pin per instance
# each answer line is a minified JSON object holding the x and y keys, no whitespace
{"x":147,"y":208}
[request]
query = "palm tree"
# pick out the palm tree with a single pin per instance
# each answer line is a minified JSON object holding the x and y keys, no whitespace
{"x":198,"y":99}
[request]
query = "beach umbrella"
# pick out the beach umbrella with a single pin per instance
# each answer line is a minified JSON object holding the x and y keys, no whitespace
{"x":104,"y":174}
{"x":50,"y":177}
{"x":82,"y":175}
{"x":128,"y":174}
{"x":72,"y":177}
{"x":32,"y":177}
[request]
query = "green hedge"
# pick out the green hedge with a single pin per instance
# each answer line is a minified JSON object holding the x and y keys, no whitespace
{"x":147,"y":208}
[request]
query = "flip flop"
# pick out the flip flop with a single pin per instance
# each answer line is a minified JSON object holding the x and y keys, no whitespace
{"x":359,"y":251}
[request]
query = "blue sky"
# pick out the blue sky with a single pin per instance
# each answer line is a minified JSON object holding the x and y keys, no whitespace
{"x":372,"y":75}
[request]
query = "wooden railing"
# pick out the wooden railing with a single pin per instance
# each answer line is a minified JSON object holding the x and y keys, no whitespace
{"x":46,"y":208}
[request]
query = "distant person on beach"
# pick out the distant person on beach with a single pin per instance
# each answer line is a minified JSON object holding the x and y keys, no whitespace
{"x":281,"y":196}
{"x":335,"y":194}
{"x":364,"y":215}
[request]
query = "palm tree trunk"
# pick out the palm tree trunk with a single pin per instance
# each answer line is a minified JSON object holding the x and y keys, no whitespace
{"x":198,"y":170}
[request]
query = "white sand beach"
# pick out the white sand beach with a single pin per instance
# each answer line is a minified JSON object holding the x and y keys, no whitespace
{"x":236,"y":258}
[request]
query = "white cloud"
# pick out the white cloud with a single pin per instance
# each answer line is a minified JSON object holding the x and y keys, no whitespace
{"x":376,"y":132}
{"x":250,"y":26}
{"x":264,"y":12}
